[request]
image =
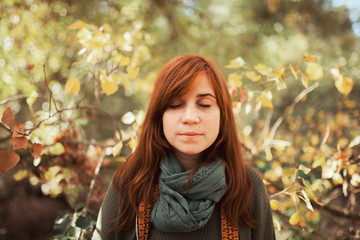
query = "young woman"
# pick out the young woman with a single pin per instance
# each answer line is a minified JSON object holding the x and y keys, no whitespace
{"x":187,"y":178}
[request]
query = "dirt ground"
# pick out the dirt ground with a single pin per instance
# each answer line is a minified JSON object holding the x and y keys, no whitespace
{"x":25,"y":213}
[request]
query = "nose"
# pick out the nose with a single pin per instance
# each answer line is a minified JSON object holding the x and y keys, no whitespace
{"x":190,"y":115}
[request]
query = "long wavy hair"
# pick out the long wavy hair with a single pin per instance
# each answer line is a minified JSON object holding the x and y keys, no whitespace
{"x":135,"y":179}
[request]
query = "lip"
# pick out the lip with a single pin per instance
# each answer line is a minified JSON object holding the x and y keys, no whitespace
{"x":190,"y":134}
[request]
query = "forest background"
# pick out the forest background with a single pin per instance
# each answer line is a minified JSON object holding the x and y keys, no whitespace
{"x":76,"y":77}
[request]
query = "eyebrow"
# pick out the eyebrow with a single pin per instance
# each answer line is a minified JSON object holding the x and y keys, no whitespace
{"x":205,"y":95}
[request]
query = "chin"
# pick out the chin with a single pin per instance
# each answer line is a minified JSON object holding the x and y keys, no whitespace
{"x":194,"y":152}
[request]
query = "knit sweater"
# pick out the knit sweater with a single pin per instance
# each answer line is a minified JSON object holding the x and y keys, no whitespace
{"x":260,"y":207}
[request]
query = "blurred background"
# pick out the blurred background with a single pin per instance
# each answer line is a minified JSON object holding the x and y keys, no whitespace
{"x":77,"y":76}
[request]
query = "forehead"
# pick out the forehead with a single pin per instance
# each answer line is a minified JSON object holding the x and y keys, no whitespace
{"x":202,"y":84}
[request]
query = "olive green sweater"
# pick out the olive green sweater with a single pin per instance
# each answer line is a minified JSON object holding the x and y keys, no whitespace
{"x":261,"y":212}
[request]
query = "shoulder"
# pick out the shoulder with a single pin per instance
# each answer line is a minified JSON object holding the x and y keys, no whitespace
{"x":255,"y":177}
{"x":107,"y":215}
{"x":260,"y":207}
{"x":259,"y":193}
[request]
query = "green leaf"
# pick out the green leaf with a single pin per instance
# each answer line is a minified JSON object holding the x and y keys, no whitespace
{"x":84,"y":222}
{"x":56,"y":149}
{"x":62,"y":224}
{"x":305,"y":169}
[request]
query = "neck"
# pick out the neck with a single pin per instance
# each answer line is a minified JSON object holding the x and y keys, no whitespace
{"x":187,"y":161}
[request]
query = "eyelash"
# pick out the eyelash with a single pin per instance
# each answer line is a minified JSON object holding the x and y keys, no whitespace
{"x":174,"y":106}
{"x":204,"y":105}
{"x":179,"y":105}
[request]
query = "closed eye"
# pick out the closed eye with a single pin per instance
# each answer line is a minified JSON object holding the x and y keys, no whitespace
{"x":174,"y":106}
{"x":204,"y":105}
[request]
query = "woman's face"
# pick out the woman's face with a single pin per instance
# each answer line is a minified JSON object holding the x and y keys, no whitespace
{"x":191,"y":123}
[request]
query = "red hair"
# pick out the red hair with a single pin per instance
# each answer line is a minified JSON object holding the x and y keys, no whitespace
{"x":139,"y":174}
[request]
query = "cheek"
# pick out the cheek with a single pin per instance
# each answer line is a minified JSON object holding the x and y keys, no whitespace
{"x":213,"y":121}
{"x":167,"y":121}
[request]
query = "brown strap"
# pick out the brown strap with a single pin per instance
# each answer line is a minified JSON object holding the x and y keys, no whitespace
{"x":228,"y":231}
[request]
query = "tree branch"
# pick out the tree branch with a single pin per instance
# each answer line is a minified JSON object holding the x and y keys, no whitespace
{"x":288,"y":110}
{"x":93,"y":180}
{"x":288,"y":187}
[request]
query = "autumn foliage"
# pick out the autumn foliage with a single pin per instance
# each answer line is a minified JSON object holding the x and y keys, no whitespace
{"x":298,"y":118}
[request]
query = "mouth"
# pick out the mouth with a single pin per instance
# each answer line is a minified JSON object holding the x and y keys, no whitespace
{"x":190,"y":134}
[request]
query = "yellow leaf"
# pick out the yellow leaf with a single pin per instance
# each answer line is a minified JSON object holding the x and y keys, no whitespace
{"x":103,"y":76}
{"x":263,"y":69}
{"x":335,"y":73}
{"x":318,"y":161}
{"x":132,"y":72}
{"x":314,"y":71}
{"x":306,"y":199}
{"x":117,"y":58}
{"x":337,"y":179}
{"x":275,"y":206}
{"x":267,"y":104}
{"x":72,"y":86}
{"x":84,"y":35}
{"x":116,"y":150}
{"x":56,"y":149}
{"x":350,"y":104}
{"x":280,"y":83}
{"x":32,"y":98}
{"x":279,"y":72}
{"x":128,"y":118}
{"x":297,"y":220}
{"x":265,"y":99}
{"x":329,"y":169}
{"x":295,"y":198}
{"x":235,"y":80}
{"x":310,"y":58}
{"x":305,"y":80}
{"x":351,"y":169}
{"x":107,"y":28}
{"x":133,"y":143}
{"x":355,"y":180}
{"x":236,"y":63}
{"x":109,"y":87}
{"x":77,"y":25}
{"x":124,"y":61}
{"x":268,"y":154}
{"x":20,"y":175}
{"x":305,"y":169}
{"x":344,"y":85}
{"x":355,"y":141}
{"x":252,"y":76}
{"x":293,"y":71}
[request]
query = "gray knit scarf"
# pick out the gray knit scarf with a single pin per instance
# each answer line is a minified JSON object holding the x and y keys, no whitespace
{"x":179,"y":209}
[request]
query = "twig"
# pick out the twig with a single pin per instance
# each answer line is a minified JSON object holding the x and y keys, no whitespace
{"x":93,"y":180}
{"x":80,"y":108}
{"x":7,"y":129}
{"x":326,"y":136}
{"x":48,"y":88}
{"x":96,"y":84}
{"x":338,"y":211}
{"x":267,"y":123}
{"x":289,"y":110}
{"x":11,"y":99}
{"x":286,"y":189}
